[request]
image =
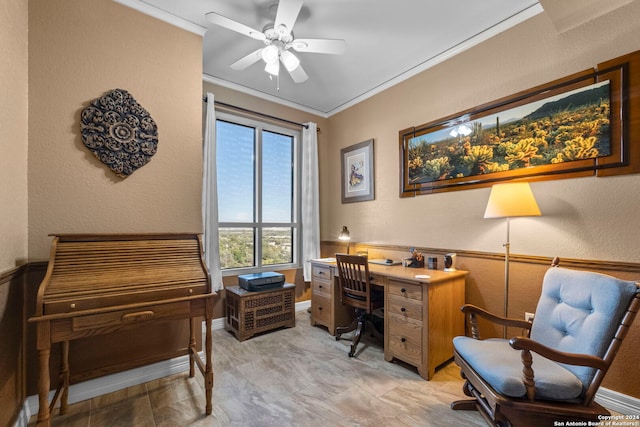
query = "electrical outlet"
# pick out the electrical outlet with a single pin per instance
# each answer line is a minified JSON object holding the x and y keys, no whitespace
{"x":529,"y":316}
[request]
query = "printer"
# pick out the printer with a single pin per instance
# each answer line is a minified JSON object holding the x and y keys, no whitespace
{"x":261,"y":281}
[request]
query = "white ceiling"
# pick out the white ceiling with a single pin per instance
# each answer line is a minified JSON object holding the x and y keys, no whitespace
{"x":387,"y":42}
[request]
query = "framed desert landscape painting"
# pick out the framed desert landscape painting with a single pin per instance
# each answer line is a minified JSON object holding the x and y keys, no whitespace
{"x":570,"y":127}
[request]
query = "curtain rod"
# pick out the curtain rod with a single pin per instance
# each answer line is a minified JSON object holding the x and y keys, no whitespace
{"x":246,"y":110}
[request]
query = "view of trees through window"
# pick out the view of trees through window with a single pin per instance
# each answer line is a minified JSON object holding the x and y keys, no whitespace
{"x":256,"y":170}
{"x":237,"y":247}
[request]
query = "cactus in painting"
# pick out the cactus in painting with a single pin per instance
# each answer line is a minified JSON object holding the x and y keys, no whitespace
{"x":437,"y":168}
{"x":524,"y":151}
{"x":576,"y":149}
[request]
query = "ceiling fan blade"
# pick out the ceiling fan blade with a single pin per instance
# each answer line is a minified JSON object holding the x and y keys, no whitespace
{"x":286,"y":16}
{"x":230,"y":24}
{"x":298,"y":74}
{"x":332,"y":46}
{"x":248,"y":60}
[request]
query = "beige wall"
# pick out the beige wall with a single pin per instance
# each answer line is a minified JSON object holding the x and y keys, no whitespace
{"x":13,"y":133}
{"x":588,"y":218}
{"x":78,"y":50}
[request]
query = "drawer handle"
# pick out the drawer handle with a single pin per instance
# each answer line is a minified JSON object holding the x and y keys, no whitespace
{"x":402,"y":309}
{"x":319,"y":286}
{"x":403,"y":339}
{"x":141,"y":315}
{"x":320,"y":308}
{"x":320,"y":273}
{"x":403,"y":290}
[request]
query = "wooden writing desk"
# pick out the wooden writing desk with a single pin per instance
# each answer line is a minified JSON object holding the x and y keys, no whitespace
{"x":97,"y":284}
{"x":421,"y":314}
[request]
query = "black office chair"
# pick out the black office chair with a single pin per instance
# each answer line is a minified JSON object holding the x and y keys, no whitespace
{"x":356,"y":291}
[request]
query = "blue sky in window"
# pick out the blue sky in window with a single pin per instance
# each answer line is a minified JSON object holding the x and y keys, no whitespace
{"x":277,"y":179}
{"x":235,"y":170}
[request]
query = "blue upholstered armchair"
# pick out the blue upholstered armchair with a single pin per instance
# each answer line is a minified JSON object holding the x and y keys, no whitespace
{"x":553,"y":373}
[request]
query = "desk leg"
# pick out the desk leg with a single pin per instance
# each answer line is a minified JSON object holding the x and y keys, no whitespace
{"x":192,"y":346}
{"x":44,"y":352}
{"x":208,"y":374}
{"x":64,"y":377}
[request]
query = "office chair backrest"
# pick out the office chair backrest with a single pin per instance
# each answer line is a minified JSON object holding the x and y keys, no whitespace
{"x":353,"y":273}
{"x":579,"y":312}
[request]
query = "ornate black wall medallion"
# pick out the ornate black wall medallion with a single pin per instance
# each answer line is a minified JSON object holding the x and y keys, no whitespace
{"x":119,"y":132}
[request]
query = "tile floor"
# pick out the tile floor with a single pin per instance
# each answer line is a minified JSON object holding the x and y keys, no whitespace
{"x":291,"y":377}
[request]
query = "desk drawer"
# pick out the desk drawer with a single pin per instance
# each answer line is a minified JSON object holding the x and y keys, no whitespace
{"x":405,"y":290}
{"x":323,"y":287}
{"x":126,"y":317}
{"x":403,"y":308}
{"x":321,"y":272}
{"x":321,"y":309}
{"x":376,"y":280}
{"x":405,"y":340}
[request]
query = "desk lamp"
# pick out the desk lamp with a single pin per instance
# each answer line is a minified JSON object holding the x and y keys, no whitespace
{"x":506,"y":201}
{"x":345,"y":236}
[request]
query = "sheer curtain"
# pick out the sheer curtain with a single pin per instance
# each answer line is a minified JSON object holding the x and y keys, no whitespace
{"x":210,"y":197}
{"x":310,"y":198}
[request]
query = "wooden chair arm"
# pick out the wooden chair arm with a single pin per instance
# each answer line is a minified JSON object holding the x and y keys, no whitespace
{"x":524,"y":343}
{"x":473,"y":311}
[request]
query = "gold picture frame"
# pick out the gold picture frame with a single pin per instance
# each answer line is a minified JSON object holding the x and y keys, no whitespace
{"x":571,"y":127}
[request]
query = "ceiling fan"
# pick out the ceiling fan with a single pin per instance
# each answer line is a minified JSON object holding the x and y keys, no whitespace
{"x":278,"y":39}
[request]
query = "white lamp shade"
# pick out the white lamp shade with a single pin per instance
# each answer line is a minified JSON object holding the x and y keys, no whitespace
{"x":511,"y":199}
{"x":270,"y":54}
{"x":273,"y":68}
{"x":289,"y":60}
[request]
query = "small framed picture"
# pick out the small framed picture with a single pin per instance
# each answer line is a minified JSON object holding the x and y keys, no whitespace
{"x":357,"y":172}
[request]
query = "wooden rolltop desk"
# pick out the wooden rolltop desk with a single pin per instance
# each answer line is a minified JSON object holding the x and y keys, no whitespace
{"x":101,"y":283}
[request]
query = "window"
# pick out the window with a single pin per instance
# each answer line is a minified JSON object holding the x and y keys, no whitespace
{"x":258,"y":194}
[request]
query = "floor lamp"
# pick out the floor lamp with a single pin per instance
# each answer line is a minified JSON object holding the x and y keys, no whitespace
{"x":506,"y":201}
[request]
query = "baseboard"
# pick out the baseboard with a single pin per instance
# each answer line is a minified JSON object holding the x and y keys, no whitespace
{"x":618,"y":402}
{"x":110,"y":383}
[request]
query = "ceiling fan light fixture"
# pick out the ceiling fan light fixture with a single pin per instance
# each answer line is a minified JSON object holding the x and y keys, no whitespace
{"x":272,"y":68}
{"x":290,"y":61}
{"x":278,"y":38}
{"x":270,"y":54}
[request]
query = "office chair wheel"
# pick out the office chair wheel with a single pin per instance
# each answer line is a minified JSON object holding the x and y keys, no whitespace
{"x":351,"y":354}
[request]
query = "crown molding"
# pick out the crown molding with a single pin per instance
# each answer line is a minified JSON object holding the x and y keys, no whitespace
{"x":167,"y":17}
{"x":267,"y":97}
{"x":504,"y":25}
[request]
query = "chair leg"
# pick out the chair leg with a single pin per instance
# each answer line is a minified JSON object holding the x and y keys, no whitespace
{"x":344,"y":329}
{"x":465,"y":405}
{"x":358,"y":325}
{"x":361,"y":318}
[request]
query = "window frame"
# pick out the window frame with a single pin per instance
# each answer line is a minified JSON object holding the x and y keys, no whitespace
{"x":259,"y":127}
